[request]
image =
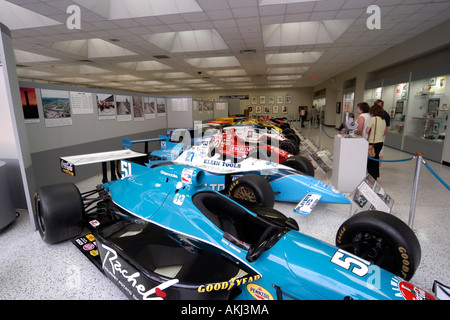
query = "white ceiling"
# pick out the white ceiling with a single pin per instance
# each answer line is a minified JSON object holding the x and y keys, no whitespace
{"x":206,"y":44}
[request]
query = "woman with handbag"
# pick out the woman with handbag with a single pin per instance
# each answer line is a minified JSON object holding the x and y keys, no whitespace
{"x":375,"y":132}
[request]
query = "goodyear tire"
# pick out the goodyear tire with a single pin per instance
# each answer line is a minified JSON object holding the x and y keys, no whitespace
{"x":383,"y":240}
{"x":290,"y":146}
{"x":251,"y":190}
{"x":301,"y":164}
{"x":59,"y":212}
{"x":288,"y":131}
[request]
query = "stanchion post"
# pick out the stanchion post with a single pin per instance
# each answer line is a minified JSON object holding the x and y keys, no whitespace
{"x":320,"y":136}
{"x":309,"y":129}
{"x":412,"y":209}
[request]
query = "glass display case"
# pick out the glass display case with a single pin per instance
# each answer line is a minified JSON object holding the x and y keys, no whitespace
{"x":395,"y":99}
{"x":426,"y":121}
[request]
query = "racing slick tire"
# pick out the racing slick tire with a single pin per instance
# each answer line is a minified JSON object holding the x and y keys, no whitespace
{"x":383,"y":240}
{"x":288,"y":131}
{"x":290,"y":147}
{"x":301,"y":164}
{"x":293,"y":137}
{"x":251,"y":190}
{"x":59,"y":211}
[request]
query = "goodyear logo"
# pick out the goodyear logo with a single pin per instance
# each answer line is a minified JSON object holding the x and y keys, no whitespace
{"x":227,"y":285}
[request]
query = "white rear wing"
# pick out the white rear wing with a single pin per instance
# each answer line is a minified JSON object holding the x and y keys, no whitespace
{"x":69,"y":163}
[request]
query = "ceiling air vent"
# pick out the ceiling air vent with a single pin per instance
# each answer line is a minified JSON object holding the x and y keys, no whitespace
{"x":161,"y":56}
{"x":21,"y":66}
{"x":85,"y":61}
{"x":248,"y":51}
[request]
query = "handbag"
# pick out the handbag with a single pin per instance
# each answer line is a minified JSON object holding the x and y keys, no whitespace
{"x":371,"y":151}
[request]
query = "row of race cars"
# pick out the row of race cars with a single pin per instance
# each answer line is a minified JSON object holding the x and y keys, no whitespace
{"x":196,"y":221}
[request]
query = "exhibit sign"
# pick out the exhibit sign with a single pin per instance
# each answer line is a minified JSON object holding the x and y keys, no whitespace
{"x":369,"y":195}
{"x":81,"y":102}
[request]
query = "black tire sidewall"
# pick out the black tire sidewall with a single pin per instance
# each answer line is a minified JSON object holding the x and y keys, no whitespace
{"x":301,"y":164}
{"x":262,"y":189}
{"x":289,"y":146}
{"x":59,"y":212}
{"x":394,"y":231}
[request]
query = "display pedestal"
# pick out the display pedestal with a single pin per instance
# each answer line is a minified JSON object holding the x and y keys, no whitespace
{"x":349,"y":162}
{"x":7,"y":212}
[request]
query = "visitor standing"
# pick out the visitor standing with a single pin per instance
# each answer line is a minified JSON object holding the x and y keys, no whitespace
{"x":375,"y":131}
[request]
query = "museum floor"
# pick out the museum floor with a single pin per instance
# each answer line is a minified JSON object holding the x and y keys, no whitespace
{"x":31,"y":269}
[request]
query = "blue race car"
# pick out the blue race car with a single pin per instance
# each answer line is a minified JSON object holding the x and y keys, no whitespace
{"x":248,"y":180}
{"x":160,"y":233}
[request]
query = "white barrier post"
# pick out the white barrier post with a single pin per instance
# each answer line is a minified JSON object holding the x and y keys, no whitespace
{"x":412,"y":210}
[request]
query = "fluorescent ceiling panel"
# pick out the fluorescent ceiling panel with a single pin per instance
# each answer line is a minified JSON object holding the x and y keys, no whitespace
{"x":237,"y":79}
{"x":16,"y":17}
{"x":214,"y":62}
{"x":74,"y":79}
{"x":188,"y":41}
{"x":288,"y":70}
{"x":123,"y":77}
{"x":123,"y":9}
{"x":126,"y":9}
{"x":293,"y":58}
{"x":288,"y":77}
{"x":149,"y":83}
{"x":270,"y":2}
{"x":227,"y":73}
{"x":82,"y":69}
{"x":143,"y":66}
{"x":91,"y":48}
{"x":29,"y":57}
{"x":304,"y":33}
{"x":32,"y":73}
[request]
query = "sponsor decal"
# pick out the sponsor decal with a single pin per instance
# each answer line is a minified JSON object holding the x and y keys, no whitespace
{"x":186,"y":175}
{"x":221,"y":163}
{"x":131,"y":280}
{"x":409,"y":291}
{"x":67,"y":167}
{"x":172,"y":175}
{"x":94,"y":223}
{"x":89,"y":246}
{"x":227,"y":285}
{"x":258,"y":292}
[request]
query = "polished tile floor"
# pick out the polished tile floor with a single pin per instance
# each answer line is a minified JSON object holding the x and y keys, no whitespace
{"x":31,"y":269}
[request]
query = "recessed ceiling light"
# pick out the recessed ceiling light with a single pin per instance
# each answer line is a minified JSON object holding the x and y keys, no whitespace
{"x":270,"y":2}
{"x":304,"y":33}
{"x":188,"y":41}
{"x":293,"y":58}
{"x":214,"y":62}
{"x":91,"y":48}
{"x":16,"y":17}
{"x":28,"y":57}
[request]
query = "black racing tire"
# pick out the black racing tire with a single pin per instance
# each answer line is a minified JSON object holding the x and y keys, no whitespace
{"x":289,"y":146}
{"x":284,"y":125}
{"x":287,"y":131}
{"x":252,"y":190}
{"x":59,"y":212}
{"x":301,"y":164}
{"x":292,"y":136}
{"x":383,"y":240}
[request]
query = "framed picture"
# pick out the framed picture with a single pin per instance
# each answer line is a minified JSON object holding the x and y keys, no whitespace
{"x":254,"y":100}
{"x":283,"y":109}
{"x":266,"y":109}
{"x":271,"y":100}
{"x":262,"y":99}
{"x":288,"y":99}
{"x":275,"y":109}
{"x":258,"y":110}
{"x":279,"y":99}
